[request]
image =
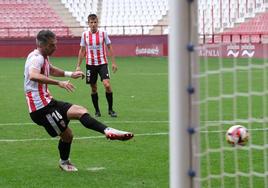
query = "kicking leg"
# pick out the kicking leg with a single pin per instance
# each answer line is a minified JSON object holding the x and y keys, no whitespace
{"x":80,"y":113}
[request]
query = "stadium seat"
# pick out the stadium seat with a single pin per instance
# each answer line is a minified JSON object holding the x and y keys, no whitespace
{"x":81,"y":8}
{"x":20,"y":17}
{"x":230,"y":14}
{"x":116,"y":13}
{"x":256,"y":25}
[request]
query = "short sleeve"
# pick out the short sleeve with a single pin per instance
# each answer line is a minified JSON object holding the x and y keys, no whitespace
{"x":106,"y":38}
{"x":82,"y":42}
{"x":37,"y":62}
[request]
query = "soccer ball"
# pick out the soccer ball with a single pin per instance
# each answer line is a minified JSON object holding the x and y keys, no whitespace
{"x":237,"y":135}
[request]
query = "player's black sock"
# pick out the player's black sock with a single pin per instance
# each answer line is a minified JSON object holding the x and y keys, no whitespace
{"x":91,"y":123}
{"x":64,"y":149}
{"x":109,"y":97}
{"x":95,"y":102}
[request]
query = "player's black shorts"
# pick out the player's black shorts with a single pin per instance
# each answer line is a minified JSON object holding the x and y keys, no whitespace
{"x":52,"y":117}
{"x":94,"y":70}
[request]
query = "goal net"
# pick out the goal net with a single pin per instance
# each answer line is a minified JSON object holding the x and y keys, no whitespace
{"x":226,"y":86}
{"x":233,"y":89}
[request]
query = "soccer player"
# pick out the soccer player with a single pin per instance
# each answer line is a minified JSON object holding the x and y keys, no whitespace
{"x":52,"y":114}
{"x":93,"y":44}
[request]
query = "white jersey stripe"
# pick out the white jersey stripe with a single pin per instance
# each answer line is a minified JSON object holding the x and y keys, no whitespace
{"x":84,"y":34}
{"x":95,"y":55}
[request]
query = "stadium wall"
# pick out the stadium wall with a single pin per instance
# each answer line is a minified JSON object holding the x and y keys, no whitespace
{"x":235,"y":50}
{"x":142,"y":45}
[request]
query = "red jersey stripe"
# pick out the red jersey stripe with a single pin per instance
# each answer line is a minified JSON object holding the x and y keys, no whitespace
{"x":41,"y":94}
{"x":30,"y":101}
{"x":97,"y":44}
{"x":91,"y":50}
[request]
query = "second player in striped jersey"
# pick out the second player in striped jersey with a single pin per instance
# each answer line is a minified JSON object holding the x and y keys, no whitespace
{"x":93,"y":47}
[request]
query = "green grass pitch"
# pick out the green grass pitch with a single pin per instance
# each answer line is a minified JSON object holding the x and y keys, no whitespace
{"x":233,"y":91}
{"x":29,"y":157}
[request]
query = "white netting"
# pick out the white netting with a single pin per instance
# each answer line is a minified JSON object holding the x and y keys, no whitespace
{"x":232,"y":90}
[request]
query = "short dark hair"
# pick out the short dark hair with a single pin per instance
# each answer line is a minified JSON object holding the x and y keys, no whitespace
{"x":43,"y":36}
{"x":92,"y":17}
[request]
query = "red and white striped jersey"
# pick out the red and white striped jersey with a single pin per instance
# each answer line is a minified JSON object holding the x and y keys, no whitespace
{"x":95,"y":44}
{"x":37,"y":94}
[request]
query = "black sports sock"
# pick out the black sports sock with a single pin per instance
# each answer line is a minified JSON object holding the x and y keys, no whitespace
{"x":91,"y":123}
{"x":109,"y":97}
{"x":64,"y":149}
{"x":95,"y":99}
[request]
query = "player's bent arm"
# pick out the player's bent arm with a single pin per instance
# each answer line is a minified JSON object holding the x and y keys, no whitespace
{"x":81,"y":55}
{"x":34,"y":75}
{"x":57,"y":72}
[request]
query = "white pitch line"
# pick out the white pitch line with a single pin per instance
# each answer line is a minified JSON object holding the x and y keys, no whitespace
{"x":223,"y":131}
{"x":3,"y":124}
{"x":150,"y":74}
{"x":77,"y":122}
{"x":118,"y":122}
{"x":76,"y":138}
{"x":95,"y":168}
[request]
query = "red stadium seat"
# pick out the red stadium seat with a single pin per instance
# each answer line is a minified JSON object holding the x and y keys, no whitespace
{"x":257,"y":24}
{"x":16,"y":16}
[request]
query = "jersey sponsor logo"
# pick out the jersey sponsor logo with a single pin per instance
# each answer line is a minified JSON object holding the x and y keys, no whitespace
{"x":94,"y":47}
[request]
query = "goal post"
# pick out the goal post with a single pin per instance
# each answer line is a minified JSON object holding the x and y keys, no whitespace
{"x":182,"y":92}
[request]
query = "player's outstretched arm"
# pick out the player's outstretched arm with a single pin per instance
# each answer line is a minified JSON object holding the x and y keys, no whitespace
{"x":77,"y":74}
{"x":35,"y":75}
{"x":57,"y":72}
{"x":67,"y":85}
